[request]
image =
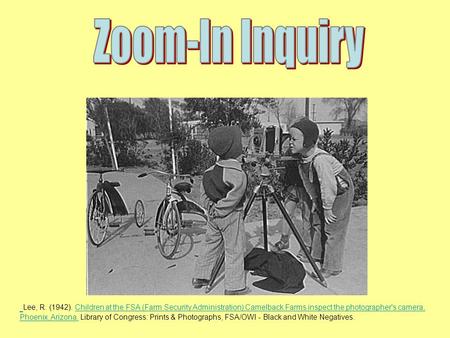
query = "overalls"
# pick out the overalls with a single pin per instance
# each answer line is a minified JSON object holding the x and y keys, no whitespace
{"x":328,"y":240}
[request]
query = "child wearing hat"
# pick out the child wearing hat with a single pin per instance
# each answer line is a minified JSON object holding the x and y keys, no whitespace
{"x":223,"y":195}
{"x":330,"y":190}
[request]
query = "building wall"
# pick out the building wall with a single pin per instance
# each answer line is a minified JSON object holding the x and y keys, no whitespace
{"x":292,"y":109}
{"x":90,"y":128}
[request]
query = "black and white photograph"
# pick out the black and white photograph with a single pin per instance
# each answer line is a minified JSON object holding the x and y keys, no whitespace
{"x":226,"y":196}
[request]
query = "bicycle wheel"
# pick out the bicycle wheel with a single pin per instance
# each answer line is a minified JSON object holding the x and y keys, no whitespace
{"x":139,"y":213}
{"x":168,"y":231}
{"x":98,"y":217}
{"x":160,"y":213}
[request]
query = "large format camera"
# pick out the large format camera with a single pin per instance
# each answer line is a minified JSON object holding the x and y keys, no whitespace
{"x":266,"y":141}
{"x":268,"y":153}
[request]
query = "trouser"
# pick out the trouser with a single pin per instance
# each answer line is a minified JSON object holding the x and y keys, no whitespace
{"x":227,"y":234}
{"x":328,"y":240}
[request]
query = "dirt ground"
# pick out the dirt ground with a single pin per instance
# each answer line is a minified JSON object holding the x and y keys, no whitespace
{"x":129,"y":262}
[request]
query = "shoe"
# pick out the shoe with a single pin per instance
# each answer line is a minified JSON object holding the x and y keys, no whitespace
{"x":198,"y":283}
{"x":280,"y":245}
{"x":239,"y":292}
{"x":329,"y":273}
{"x":302,"y":257}
{"x":326,"y":273}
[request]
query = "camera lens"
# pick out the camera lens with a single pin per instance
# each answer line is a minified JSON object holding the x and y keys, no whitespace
{"x":257,"y":140}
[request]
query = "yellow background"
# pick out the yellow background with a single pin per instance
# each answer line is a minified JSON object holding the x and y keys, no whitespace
{"x":47,"y":72}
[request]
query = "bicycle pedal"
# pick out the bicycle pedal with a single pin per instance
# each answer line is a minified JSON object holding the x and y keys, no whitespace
{"x":149,"y":232}
{"x":193,"y":223}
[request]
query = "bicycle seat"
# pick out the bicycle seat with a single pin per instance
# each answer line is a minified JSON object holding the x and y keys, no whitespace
{"x":113,"y":184}
{"x":183,"y":187}
{"x":108,"y":184}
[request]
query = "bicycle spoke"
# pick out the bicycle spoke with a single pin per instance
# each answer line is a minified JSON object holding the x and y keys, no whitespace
{"x":97,"y":219}
{"x":139,"y":213}
{"x":168,"y":232}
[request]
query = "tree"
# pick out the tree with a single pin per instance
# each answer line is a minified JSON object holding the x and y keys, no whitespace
{"x":214,"y":112}
{"x":291,"y":112}
{"x":275,"y":106}
{"x":349,"y":106}
{"x":125,"y":120}
{"x":156,"y":117}
{"x":158,"y":125}
{"x":95,"y":109}
{"x":285,"y":109}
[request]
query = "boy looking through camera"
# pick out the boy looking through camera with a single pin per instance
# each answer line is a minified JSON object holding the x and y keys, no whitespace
{"x":330,"y":192}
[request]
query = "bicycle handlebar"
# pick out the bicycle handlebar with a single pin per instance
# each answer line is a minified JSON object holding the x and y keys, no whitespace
{"x":102,"y":170}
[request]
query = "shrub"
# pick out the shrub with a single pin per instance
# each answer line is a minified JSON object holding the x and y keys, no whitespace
{"x":193,"y":158}
{"x":353,"y":155}
{"x":128,"y":153}
{"x":97,"y":154}
{"x":349,"y":131}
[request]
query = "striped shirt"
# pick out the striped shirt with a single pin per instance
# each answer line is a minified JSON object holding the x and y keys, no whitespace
{"x":327,"y":168}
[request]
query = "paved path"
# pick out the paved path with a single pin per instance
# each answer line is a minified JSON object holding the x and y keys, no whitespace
{"x":129,"y":261}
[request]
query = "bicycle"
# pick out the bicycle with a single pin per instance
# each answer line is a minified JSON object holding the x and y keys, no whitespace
{"x":169,"y":214}
{"x":104,"y":205}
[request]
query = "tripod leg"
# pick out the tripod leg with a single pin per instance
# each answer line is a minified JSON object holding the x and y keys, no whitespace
{"x":299,"y":238}
{"x":264,"y":212}
{"x":250,"y":202}
{"x":215,"y":272}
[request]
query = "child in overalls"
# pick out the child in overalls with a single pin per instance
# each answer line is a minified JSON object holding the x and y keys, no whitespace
{"x":330,"y":189}
{"x":223,"y":195}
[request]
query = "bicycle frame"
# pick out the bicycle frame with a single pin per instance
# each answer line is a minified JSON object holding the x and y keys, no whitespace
{"x":189,"y":206}
{"x":105,"y":202}
{"x":184,"y":204}
{"x":118,"y":205}
{"x":169,"y":220}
